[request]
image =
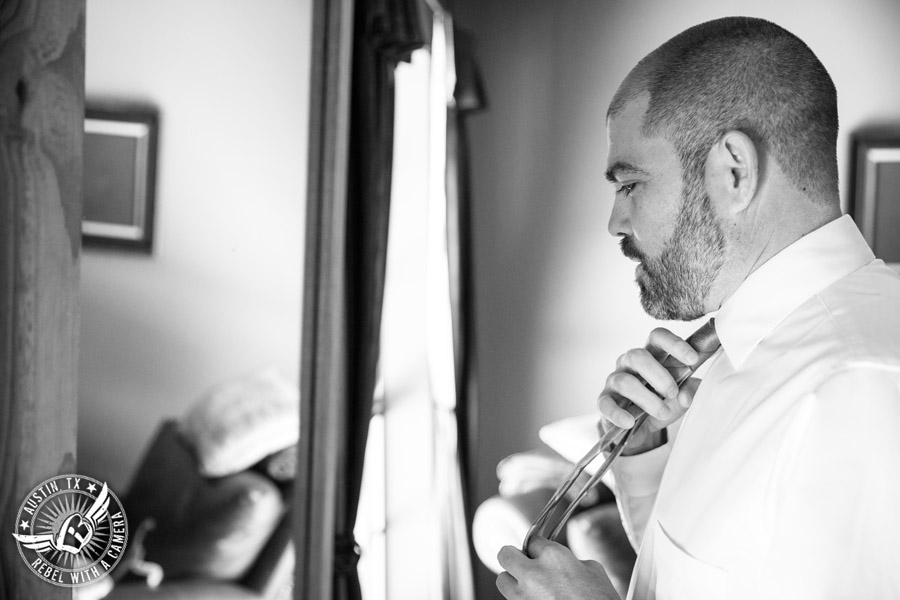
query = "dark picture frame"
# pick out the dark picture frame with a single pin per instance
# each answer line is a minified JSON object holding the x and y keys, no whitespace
{"x":120,"y":157}
{"x":875,"y":200}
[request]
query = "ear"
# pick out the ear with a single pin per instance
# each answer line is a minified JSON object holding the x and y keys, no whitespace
{"x":733,"y":170}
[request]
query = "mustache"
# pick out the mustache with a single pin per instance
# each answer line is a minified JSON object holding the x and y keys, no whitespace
{"x":629,"y":248}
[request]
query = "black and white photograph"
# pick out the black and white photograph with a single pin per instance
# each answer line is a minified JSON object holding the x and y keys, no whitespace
{"x":449,"y":300}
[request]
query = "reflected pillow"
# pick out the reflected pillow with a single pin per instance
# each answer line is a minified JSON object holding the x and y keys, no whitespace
{"x":239,"y":422}
{"x":213,"y":528}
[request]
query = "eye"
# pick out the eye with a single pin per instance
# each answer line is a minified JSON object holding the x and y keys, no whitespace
{"x":627,"y":188}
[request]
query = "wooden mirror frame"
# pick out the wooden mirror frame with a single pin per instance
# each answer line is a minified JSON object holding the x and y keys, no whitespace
{"x":323,"y":368}
{"x":41,"y":73}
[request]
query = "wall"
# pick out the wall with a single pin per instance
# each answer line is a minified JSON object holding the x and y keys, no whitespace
{"x":555,"y":300}
{"x":220,"y":295}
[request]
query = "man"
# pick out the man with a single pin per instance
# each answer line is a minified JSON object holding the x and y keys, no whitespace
{"x":783,"y":478}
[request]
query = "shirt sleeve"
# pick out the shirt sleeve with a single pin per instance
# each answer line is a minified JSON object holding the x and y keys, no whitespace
{"x":835,"y":525}
{"x":635,"y":480}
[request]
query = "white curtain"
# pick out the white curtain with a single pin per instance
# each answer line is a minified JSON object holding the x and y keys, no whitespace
{"x":411,"y":524}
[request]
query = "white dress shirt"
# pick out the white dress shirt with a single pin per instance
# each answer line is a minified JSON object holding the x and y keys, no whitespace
{"x":783,"y":480}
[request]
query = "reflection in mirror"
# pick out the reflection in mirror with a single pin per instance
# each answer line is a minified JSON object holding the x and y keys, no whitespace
{"x":399,"y":124}
{"x":412,"y":524}
{"x":190,"y":354}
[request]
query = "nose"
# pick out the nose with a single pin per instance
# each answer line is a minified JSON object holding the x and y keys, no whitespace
{"x":619,"y":219}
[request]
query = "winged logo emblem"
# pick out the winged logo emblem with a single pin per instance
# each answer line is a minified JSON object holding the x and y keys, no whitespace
{"x":76,"y":531}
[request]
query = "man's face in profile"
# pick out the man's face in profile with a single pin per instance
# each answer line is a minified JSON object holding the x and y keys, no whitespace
{"x":666,"y":224}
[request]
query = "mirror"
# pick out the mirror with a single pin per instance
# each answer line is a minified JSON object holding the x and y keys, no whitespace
{"x":219,"y":294}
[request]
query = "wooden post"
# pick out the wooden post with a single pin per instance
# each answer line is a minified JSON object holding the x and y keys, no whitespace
{"x":41,"y":129}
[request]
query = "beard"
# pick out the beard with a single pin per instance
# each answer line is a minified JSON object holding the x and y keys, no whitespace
{"x":674,"y":285}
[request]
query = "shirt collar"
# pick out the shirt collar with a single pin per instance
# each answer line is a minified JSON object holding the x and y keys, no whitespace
{"x":785,"y":281}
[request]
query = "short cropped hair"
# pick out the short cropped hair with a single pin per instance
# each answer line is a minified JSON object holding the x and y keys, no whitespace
{"x":746,"y":74}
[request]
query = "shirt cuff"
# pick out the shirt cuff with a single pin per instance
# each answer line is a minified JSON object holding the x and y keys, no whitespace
{"x":639,"y":475}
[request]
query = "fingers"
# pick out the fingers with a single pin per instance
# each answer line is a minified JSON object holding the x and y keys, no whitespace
{"x":512,"y":559}
{"x":553,"y":572}
{"x":641,"y":383}
{"x":642,"y":380}
{"x":612,"y":412}
{"x":513,"y":562}
{"x":662,"y":342}
{"x":626,"y":388}
{"x":539,"y":545}
{"x":507,"y":585}
{"x":645,"y":365}
{"x":516,"y":566}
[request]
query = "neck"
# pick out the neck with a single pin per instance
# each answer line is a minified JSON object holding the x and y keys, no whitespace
{"x":764,"y":232}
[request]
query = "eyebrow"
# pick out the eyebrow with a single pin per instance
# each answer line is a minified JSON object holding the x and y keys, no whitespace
{"x":615,"y":172}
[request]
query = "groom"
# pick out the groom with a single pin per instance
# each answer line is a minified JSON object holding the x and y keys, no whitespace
{"x":777,"y":477}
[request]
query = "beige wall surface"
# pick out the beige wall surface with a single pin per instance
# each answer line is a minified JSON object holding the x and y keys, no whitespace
{"x":555,"y":299}
{"x":220,"y":295}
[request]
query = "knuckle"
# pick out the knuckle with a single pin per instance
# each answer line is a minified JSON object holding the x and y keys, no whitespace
{"x":610,"y":380}
{"x":604,"y":403}
{"x":617,"y":380}
{"x":610,"y":405}
{"x":505,"y":583}
{"x":658,"y":333}
{"x":634,"y":355}
{"x":547,"y":550}
{"x":628,"y":358}
{"x":607,"y":416}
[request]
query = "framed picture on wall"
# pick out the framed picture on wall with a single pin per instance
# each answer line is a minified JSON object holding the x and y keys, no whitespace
{"x":120,"y":152}
{"x":875,"y":203}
